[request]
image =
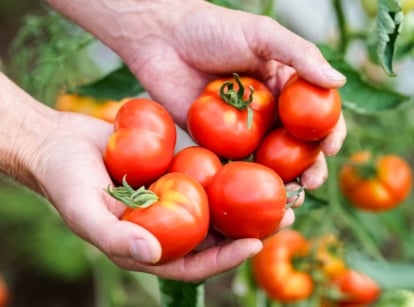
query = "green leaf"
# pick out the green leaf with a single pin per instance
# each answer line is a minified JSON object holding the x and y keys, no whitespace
{"x":389,"y":25}
{"x":118,"y":84}
{"x":177,"y":293}
{"x":312,"y":202}
{"x":358,"y":94}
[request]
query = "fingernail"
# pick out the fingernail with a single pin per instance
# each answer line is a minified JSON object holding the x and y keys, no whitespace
{"x":141,"y":251}
{"x":333,"y":74}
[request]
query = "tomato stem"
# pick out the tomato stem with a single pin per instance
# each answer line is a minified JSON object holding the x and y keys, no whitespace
{"x":235,"y":97}
{"x":295,"y":194}
{"x":140,"y":198}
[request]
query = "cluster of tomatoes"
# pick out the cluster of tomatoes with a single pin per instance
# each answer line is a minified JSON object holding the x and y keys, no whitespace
{"x":291,"y":268}
{"x":234,"y":178}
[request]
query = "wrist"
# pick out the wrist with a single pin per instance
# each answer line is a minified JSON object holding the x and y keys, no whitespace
{"x":24,"y":128}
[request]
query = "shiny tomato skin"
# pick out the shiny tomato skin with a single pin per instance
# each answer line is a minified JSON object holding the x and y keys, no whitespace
{"x":357,"y":288}
{"x":246,"y":199}
{"x":143,"y":113}
{"x":287,"y":155}
{"x":198,"y":162}
{"x":308,"y":111}
{"x":274,"y":271}
{"x":140,"y":155}
{"x":222,"y":128}
{"x":180,"y":217}
{"x":384,"y":190}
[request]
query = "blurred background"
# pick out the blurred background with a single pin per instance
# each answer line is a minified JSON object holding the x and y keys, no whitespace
{"x":44,"y":264}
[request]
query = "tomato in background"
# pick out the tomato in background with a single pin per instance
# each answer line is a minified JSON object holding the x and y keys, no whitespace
{"x":177,"y":213}
{"x":198,"y":162}
{"x":246,"y":199}
{"x":308,"y":111}
{"x":285,"y":154}
{"x":231,"y":117}
{"x":4,"y":293}
{"x":357,"y":289}
{"x":274,"y":267}
{"x":375,"y":184}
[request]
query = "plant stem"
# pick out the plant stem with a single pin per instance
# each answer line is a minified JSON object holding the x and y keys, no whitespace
{"x":340,"y":19}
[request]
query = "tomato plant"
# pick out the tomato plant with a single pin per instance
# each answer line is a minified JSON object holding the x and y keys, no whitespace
{"x":4,"y":293}
{"x":356,"y":288}
{"x":375,"y":184}
{"x":371,"y":6}
{"x":201,"y":163}
{"x":287,"y":155}
{"x":142,"y":145}
{"x":329,"y":255}
{"x":274,"y":267}
{"x":247,"y":199}
{"x":230,"y":118}
{"x":174,"y":209}
{"x":308,"y":111}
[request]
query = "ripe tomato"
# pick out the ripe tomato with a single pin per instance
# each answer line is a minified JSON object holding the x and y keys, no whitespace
{"x":201,"y":163}
{"x":308,"y":111}
{"x":231,"y":119}
{"x":4,"y":293}
{"x":142,"y":145}
{"x":143,"y":113}
{"x":138,"y":154}
{"x":247,"y":199}
{"x":178,"y":215}
{"x":357,"y":288}
{"x":285,"y":154}
{"x":274,"y":270}
{"x":375,"y":185}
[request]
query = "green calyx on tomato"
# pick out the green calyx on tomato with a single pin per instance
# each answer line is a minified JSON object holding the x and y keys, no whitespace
{"x":235,"y":97}
{"x":139,"y":198}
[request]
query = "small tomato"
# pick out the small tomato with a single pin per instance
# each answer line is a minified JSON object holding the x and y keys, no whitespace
{"x":287,"y":155}
{"x":308,"y":111}
{"x":247,"y":199}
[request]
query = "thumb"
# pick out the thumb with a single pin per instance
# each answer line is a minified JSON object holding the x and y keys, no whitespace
{"x":275,"y":42}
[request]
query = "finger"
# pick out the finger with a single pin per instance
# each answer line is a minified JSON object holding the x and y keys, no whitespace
{"x":315,"y":176}
{"x":204,"y":264}
{"x":288,"y":219}
{"x":272,"y":41}
{"x":333,"y":142}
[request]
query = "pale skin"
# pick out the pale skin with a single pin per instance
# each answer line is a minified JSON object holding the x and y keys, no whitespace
{"x":174,"y":48}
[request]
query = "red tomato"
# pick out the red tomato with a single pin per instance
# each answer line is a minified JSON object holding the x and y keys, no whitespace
{"x":138,"y":154}
{"x":4,"y":293}
{"x":179,"y":218}
{"x":376,"y":185}
{"x":358,"y":289}
{"x":247,"y":199}
{"x":285,"y":154}
{"x":201,"y":163}
{"x":219,"y":118}
{"x":142,"y":146}
{"x":308,"y":111}
{"x":274,"y":270}
{"x":142,"y":113}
